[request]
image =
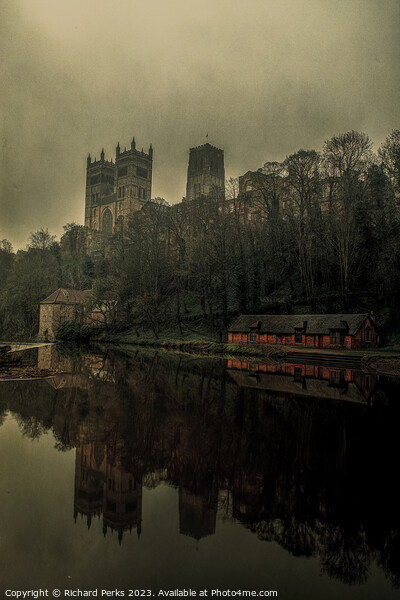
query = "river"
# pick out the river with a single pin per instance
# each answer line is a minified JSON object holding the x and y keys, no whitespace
{"x":158,"y":471}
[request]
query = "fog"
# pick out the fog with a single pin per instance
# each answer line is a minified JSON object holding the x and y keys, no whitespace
{"x":261,"y":78}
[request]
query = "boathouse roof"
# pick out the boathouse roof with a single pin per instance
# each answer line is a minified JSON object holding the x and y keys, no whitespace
{"x":311,"y":324}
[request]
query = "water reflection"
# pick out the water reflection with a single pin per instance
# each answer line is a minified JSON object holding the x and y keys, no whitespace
{"x":311,"y":380}
{"x":301,"y":455}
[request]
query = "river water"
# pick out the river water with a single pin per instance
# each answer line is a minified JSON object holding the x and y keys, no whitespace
{"x":158,"y":471}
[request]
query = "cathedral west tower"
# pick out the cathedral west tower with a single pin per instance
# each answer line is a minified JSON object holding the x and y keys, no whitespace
{"x":115,"y":190}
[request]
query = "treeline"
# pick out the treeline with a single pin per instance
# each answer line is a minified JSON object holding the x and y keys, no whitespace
{"x":317,"y":232}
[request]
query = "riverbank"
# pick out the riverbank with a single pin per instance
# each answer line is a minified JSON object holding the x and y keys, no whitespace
{"x":380,"y":361}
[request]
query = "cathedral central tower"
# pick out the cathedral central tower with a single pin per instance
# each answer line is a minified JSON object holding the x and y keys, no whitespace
{"x":206,"y":173}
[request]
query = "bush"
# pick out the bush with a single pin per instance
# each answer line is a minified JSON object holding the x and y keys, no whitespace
{"x":73,"y":331}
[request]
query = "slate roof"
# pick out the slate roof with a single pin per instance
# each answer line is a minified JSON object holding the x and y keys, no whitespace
{"x":64,"y":296}
{"x":311,"y":324}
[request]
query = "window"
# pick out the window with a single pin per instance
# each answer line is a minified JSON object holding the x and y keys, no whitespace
{"x":122,"y":171}
{"x":95,"y":179}
{"x":368,"y":334}
{"x":337,"y":337}
{"x":253,"y":336}
{"x":298,"y":336}
{"x":142,"y":193}
{"x":297,"y":374}
{"x":140,"y":172}
{"x":107,"y":222}
{"x":336,"y":379}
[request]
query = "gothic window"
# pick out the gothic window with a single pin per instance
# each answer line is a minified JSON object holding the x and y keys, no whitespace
{"x":368,"y":334}
{"x":141,"y":172}
{"x":107,"y":222}
{"x":95,"y":179}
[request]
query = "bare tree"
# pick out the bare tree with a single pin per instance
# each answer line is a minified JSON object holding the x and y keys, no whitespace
{"x":389,"y":153}
{"x":41,"y":239}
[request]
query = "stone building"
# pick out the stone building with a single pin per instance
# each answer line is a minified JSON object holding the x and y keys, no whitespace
{"x":206,"y":173}
{"x":114,"y":190}
{"x":61,"y":305}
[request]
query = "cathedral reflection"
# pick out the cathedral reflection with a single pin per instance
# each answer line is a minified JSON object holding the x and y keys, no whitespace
{"x":104,"y":487}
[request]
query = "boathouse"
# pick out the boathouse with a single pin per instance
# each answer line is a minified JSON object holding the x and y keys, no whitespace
{"x":315,"y":331}
{"x":61,"y":305}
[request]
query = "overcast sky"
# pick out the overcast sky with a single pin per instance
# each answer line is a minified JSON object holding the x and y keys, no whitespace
{"x":263,"y":78}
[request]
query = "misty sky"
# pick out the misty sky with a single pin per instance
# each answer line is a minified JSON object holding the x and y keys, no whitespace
{"x":263,"y":78}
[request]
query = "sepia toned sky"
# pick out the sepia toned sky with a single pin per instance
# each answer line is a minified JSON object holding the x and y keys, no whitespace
{"x":263,"y":78}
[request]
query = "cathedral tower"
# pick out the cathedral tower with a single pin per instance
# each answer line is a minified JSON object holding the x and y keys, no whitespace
{"x":116,"y":190}
{"x":206,"y":173}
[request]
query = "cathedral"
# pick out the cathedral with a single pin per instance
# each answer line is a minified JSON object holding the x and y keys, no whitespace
{"x":115,"y":190}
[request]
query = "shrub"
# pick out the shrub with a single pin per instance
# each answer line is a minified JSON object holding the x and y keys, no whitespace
{"x":73,"y":331}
